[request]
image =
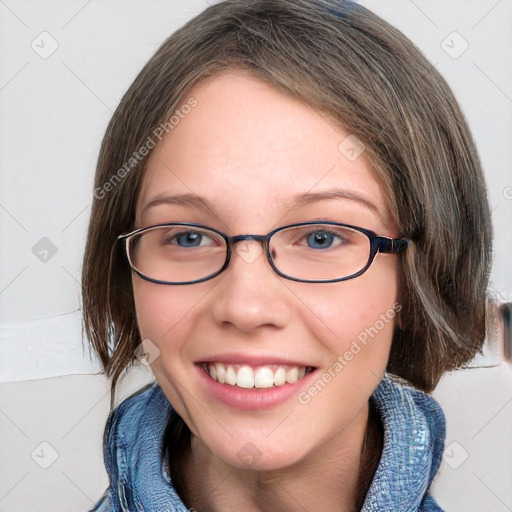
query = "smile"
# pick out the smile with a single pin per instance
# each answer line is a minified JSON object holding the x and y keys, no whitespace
{"x":248,"y":377}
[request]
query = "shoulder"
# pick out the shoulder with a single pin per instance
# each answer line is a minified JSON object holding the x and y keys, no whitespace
{"x":132,"y":410}
{"x":398,"y":397}
{"x":144,"y":413}
{"x":430,"y":505}
{"x":131,"y":445}
{"x":414,"y":433}
{"x":139,"y":401}
{"x":417,"y":415}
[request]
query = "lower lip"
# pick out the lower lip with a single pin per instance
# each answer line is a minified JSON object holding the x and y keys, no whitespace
{"x":253,"y":399}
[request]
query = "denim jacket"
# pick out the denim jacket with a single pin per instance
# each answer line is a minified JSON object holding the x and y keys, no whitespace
{"x":414,"y":435}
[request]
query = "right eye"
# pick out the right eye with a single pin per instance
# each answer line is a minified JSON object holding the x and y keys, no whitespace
{"x":187,"y":239}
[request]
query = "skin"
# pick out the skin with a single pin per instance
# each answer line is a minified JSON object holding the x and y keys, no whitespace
{"x":248,"y":149}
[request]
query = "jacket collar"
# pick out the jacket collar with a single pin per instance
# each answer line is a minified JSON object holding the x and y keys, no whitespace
{"x":414,"y":434}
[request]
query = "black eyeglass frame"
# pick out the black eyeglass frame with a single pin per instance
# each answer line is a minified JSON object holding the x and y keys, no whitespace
{"x":378,"y":243}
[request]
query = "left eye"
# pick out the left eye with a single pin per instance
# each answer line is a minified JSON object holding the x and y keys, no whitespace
{"x":321,"y":239}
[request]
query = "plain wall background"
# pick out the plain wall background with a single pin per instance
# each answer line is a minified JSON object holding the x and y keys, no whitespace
{"x":64,"y":66}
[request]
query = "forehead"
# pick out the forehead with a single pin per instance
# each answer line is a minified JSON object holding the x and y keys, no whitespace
{"x":250,"y":149}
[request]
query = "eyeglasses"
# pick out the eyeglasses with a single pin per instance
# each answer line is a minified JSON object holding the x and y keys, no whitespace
{"x":309,"y":252}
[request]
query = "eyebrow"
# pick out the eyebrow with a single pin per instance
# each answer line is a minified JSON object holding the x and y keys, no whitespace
{"x":298,"y":200}
{"x":335,"y":193}
{"x":179,"y":199}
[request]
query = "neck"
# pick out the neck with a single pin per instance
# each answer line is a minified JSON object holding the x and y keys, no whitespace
{"x":334,"y":477}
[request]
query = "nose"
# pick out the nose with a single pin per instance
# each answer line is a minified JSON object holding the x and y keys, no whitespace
{"x":250,"y":294}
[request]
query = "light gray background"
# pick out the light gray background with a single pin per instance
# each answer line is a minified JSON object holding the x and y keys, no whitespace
{"x":55,"y":108}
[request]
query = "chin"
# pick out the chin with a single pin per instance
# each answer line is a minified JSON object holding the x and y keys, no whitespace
{"x":258,"y":456}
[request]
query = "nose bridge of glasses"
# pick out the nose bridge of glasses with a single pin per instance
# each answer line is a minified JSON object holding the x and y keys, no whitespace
{"x":262,"y":239}
{"x":249,"y":253}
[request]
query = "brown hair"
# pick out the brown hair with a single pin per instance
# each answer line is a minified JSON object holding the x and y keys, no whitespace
{"x":372,"y":81}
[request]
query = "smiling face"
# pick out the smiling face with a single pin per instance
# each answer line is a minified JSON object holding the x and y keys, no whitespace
{"x":248,"y":152}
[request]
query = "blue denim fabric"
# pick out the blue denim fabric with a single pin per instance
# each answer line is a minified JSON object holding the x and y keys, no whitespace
{"x":414,"y":436}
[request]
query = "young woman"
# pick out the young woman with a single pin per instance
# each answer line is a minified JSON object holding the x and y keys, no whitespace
{"x":291,"y":225}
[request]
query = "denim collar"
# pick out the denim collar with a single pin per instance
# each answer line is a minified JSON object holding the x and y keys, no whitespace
{"x":414,"y":434}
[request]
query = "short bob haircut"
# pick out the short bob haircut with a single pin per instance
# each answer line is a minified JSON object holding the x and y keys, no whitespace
{"x":369,"y":80}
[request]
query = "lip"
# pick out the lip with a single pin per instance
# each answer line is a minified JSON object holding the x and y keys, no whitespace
{"x":252,"y":399}
{"x":251,"y":360}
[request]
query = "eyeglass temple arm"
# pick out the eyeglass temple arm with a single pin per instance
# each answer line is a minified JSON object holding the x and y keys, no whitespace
{"x":392,"y":244}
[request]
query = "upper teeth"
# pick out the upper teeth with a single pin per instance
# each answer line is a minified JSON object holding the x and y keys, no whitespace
{"x":246,"y":376}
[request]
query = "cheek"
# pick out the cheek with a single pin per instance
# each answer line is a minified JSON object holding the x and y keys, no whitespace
{"x":163,"y":312}
{"x":361,"y":309}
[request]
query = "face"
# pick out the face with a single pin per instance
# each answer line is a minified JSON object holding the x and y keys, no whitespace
{"x":247,"y":151}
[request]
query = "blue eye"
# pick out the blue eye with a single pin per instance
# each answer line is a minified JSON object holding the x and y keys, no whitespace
{"x":189,"y":239}
{"x":321,"y":239}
